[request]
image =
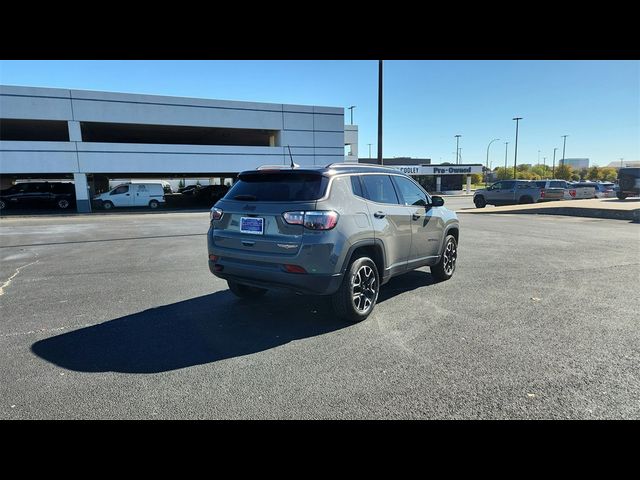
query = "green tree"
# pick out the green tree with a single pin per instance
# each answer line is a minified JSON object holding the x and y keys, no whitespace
{"x":608,"y":174}
{"x":476,"y":178}
{"x":564,"y":172}
{"x":594,"y":173}
{"x":504,"y":174}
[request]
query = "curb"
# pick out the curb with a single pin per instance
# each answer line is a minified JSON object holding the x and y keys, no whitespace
{"x":633,"y":215}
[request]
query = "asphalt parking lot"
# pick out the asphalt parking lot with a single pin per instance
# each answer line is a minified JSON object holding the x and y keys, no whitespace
{"x":117,"y":316}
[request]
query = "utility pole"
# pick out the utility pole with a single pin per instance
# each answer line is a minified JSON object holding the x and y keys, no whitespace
{"x":487,"y":164}
{"x":380,"y":112}
{"x":553,"y":170}
{"x":457,"y":149}
{"x":351,"y":108}
{"x":563,"y":147}
{"x":515,"y":158}
{"x":506,"y":146}
{"x":369,"y":149}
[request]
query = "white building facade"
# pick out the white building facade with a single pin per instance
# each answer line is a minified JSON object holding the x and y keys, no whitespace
{"x":47,"y":132}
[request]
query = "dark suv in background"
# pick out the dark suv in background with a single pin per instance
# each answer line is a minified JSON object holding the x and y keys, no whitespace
{"x":60,"y":195}
{"x":628,"y":183}
{"x":341,"y":230}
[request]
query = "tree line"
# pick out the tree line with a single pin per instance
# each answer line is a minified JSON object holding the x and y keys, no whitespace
{"x":563,"y":172}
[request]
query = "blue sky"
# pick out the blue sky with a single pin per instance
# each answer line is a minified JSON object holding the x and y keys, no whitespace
{"x":426,"y":103}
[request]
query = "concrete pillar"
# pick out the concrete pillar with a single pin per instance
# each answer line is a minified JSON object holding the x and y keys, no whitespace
{"x":438,"y":183}
{"x":468,"y":184}
{"x":75,"y":134}
{"x":83,"y":202}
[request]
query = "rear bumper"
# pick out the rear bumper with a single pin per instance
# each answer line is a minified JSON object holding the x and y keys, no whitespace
{"x":274,"y":278}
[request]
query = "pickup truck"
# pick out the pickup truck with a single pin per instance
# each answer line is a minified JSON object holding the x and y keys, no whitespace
{"x":510,"y":192}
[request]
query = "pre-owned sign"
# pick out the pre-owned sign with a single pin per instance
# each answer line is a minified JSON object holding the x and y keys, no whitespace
{"x":438,"y":169}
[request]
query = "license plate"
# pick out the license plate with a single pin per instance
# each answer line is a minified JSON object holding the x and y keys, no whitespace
{"x":252,"y":225}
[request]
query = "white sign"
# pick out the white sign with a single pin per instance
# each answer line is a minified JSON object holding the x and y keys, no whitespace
{"x":437,"y":169}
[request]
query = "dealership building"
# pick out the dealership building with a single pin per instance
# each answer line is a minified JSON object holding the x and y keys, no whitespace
{"x":445,"y":178}
{"x":90,"y":137}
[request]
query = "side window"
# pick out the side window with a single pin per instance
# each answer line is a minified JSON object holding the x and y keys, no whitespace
{"x":120,"y":189}
{"x":356,"y":186}
{"x":508,"y":185}
{"x":378,"y":188}
{"x":496,"y":186}
{"x":411,"y":194}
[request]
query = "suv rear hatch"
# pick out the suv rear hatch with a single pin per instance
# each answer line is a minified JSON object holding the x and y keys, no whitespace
{"x":252,"y":220}
{"x":555,"y":191}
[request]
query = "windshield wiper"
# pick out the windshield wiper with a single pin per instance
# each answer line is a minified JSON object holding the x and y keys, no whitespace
{"x":245,"y":197}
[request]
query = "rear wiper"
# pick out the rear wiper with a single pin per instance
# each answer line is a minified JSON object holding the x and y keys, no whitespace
{"x":245,"y":197}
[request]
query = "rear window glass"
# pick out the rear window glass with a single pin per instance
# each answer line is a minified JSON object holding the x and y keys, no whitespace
{"x":278,"y":187}
{"x":542,"y":184}
{"x":556,"y":184}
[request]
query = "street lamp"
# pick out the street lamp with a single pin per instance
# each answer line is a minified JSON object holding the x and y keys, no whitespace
{"x":563,"y":147}
{"x":506,"y":146}
{"x":515,"y":158}
{"x":487,"y":164}
{"x":351,"y":108}
{"x":553,"y":170}
{"x":380,"y":160}
{"x":369,"y":149}
{"x":544,"y":165}
{"x":457,"y":142}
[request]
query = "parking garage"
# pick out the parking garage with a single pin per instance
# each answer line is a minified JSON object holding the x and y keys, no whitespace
{"x":97,"y":138}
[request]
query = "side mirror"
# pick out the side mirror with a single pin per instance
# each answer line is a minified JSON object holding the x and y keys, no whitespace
{"x":437,"y":201}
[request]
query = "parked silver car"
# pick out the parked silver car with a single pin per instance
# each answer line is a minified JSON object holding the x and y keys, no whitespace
{"x":510,"y":192}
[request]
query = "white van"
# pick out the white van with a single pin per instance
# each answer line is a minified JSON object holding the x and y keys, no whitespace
{"x":132,"y":195}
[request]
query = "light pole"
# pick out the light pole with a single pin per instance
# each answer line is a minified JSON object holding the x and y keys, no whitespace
{"x":487,"y":164}
{"x":515,"y":158}
{"x":379,"y":112}
{"x":460,"y":154}
{"x":506,"y":146}
{"x":544,"y":166}
{"x":538,"y":157}
{"x":457,"y":143}
{"x":351,"y":108}
{"x":563,"y":147}
{"x":553,"y":170}
{"x":369,"y":149}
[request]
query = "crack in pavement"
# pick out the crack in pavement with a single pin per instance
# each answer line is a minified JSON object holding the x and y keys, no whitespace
{"x":8,"y":282}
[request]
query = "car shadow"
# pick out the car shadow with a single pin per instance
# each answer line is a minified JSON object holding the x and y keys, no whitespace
{"x":201,"y":330}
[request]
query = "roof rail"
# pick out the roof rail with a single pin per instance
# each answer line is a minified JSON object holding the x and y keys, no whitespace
{"x":351,"y":165}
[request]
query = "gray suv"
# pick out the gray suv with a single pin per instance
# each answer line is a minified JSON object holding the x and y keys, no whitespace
{"x":341,"y":230}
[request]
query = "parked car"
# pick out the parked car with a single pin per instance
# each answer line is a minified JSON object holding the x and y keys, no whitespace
{"x":582,"y":190}
{"x":61,"y":195}
{"x":628,"y":183}
{"x":210,"y":194}
{"x":605,"y":190}
{"x":189,"y":189}
{"x":132,"y":195}
{"x":342,"y":230}
{"x":510,"y":192}
{"x":553,"y":189}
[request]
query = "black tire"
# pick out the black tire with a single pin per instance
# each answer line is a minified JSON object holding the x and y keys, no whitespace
{"x":63,"y":204}
{"x":107,"y":205}
{"x":480,"y":202}
{"x":245,"y":291}
{"x":446,"y":267}
{"x":361,"y":278}
{"x":3,"y":204}
{"x":526,"y":199}
{"x":621,"y":196}
{"x":153,"y":204}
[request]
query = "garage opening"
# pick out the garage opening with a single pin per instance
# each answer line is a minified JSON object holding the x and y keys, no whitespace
{"x":33,"y":130}
{"x":174,"y":134}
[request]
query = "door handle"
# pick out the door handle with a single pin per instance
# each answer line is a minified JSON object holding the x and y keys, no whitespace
{"x":127,"y":194}
{"x":416,"y":216}
{"x":379,"y":214}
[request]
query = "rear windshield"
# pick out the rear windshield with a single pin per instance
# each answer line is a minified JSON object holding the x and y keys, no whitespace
{"x":278,"y":187}
{"x":541,"y":184}
{"x":556,"y":184}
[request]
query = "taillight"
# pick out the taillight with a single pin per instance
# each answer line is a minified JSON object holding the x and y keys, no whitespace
{"x":213,"y":258}
{"x":313,"y":219}
{"x":215,"y":213}
{"x":541,"y":193}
